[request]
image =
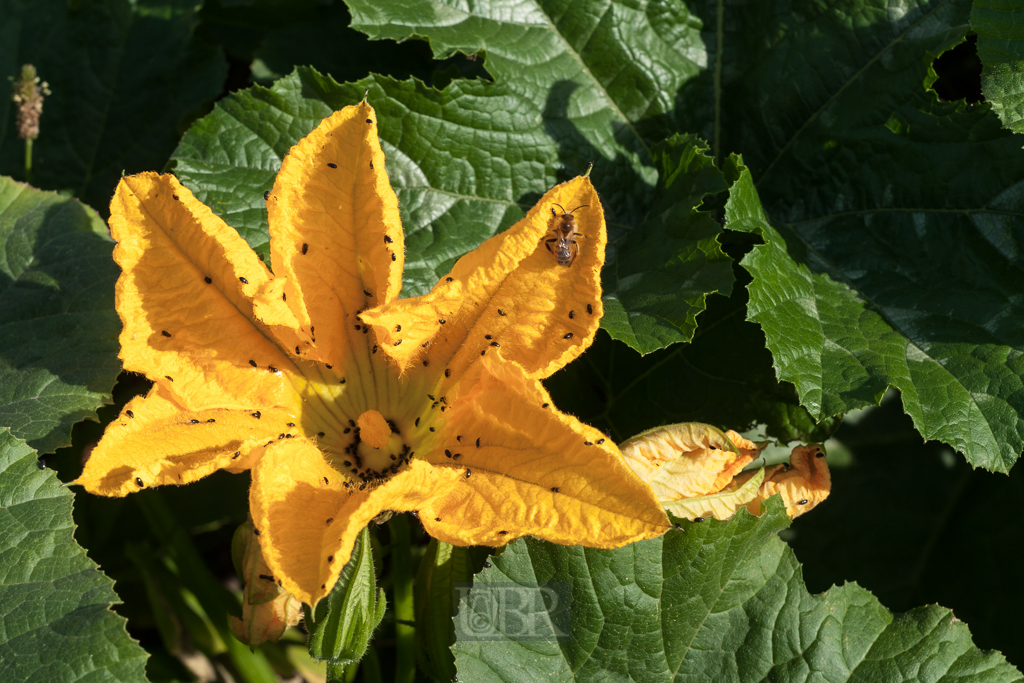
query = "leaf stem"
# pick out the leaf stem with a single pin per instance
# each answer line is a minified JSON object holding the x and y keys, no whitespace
{"x":402,"y":577}
{"x":217,"y":601}
{"x":28,"y":160}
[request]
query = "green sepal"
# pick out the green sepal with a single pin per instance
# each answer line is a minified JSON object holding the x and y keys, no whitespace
{"x":341,"y":626}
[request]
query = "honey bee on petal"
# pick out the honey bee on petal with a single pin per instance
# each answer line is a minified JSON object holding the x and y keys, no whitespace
{"x":565,"y":248}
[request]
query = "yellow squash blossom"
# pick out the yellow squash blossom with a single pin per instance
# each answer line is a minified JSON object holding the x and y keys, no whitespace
{"x":695,"y":472}
{"x":343,"y":400}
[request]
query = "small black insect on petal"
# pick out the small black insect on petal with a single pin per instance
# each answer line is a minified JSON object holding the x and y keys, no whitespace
{"x":417,"y":422}
{"x":367,"y":293}
{"x":253,"y":363}
{"x":330,"y":558}
{"x":210,"y":420}
{"x":425,"y":344}
{"x":488,"y":337}
{"x":305,"y":248}
{"x":272,"y":369}
{"x":495,"y":344}
{"x":168,"y":378}
{"x":328,"y":366}
{"x":138,"y":481}
{"x":256,"y":415}
{"x":545,"y":405}
{"x":447,"y":453}
{"x":447,"y":372}
{"x":501,"y":312}
{"x":572,"y":314}
{"x":346,"y":430}
{"x":394,"y":258}
{"x":803,"y":502}
{"x":426,"y":363}
{"x":554,"y":489}
{"x":587,"y":443}
{"x":297,"y":351}
{"x":374,"y":349}
{"x":442,"y":321}
{"x":351,"y":423}
{"x":590,"y":310}
{"x":326,"y":481}
{"x":359,"y":327}
{"x":236,"y":455}
{"x":280,"y":436}
{"x":698,"y":519}
{"x":502,"y":533}
{"x":478,"y":442}
{"x":266,"y":195}
{"x":483,"y":352}
{"x":256,"y":531}
{"x":568,"y":335}
{"x":165,"y":333}
{"x":398,"y":342}
{"x":290,"y":424}
{"x":437,"y":519}
{"x":243,"y":280}
{"x":329,"y":520}
{"x":332,"y":165}
{"x":468,"y":473}
{"x":449,"y":279}
{"x":284,"y":296}
{"x":369,"y":120}
{"x":600,"y":440}
{"x":207,"y":280}
{"x":129,"y":413}
{"x":321,"y":434}
{"x":431,"y":429}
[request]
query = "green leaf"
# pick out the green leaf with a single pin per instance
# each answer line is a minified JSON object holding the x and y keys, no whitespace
{"x":468,"y":160}
{"x":125,"y":76}
{"x":892,"y":254}
{"x":58,"y":327}
{"x":709,"y":601}
{"x":723,"y":378}
{"x":1000,"y":28}
{"x":664,"y":271}
{"x":56,"y":624}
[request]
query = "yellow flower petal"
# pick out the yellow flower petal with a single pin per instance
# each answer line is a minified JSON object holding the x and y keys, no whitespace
{"x":534,"y":471}
{"x":721,"y":505}
{"x":335,"y":231}
{"x":687,"y":460}
{"x":508,"y":293}
{"x":185,"y":297}
{"x":157,"y":442}
{"x":803,"y":484}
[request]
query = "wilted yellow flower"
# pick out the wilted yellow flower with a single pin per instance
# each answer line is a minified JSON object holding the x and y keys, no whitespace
{"x":343,"y":400}
{"x":695,"y":471}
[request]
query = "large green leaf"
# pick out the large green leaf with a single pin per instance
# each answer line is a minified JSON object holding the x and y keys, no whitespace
{"x":466,"y":161}
{"x":1000,"y":28}
{"x":659,"y":278}
{"x":931,"y":530}
{"x":892,"y":229}
{"x":714,"y":601}
{"x":56,"y":624}
{"x":125,"y":76}
{"x":58,"y":327}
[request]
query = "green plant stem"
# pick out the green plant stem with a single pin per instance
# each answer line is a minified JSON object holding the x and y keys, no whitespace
{"x":371,"y":667}
{"x":402,"y":576}
{"x":28,"y":160}
{"x":217,"y":601}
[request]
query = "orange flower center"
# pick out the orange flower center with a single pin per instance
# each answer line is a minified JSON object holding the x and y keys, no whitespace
{"x":374,"y":429}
